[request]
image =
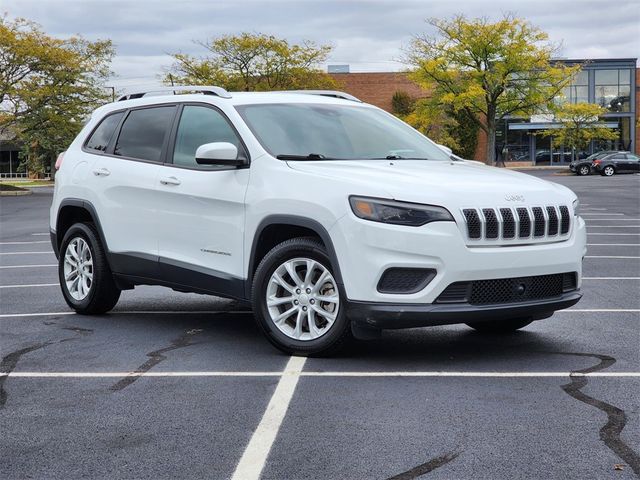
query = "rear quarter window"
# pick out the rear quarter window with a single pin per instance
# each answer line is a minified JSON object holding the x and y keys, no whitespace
{"x":101,"y":135}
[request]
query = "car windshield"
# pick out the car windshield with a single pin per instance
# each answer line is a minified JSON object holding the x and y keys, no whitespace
{"x":303,"y":131}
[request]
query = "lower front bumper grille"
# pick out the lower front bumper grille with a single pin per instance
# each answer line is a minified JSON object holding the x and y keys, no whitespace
{"x":509,"y":290}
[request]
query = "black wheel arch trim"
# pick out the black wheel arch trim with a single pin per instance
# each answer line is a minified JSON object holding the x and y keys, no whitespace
{"x":57,"y":235}
{"x":295,"y":221}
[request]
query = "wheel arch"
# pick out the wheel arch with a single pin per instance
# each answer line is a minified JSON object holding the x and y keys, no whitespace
{"x":275,"y":229}
{"x":73,"y":210}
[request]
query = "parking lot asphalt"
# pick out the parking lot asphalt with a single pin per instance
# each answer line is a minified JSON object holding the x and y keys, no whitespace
{"x":173,"y":385}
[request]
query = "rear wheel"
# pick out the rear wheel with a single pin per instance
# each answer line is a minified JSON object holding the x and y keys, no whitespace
{"x":297,"y":301}
{"x":583,"y":170}
{"x":608,"y":171}
{"x":501,"y":326}
{"x":85,"y":277}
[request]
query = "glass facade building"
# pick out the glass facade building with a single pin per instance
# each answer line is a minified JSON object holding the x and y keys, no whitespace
{"x":610,"y":83}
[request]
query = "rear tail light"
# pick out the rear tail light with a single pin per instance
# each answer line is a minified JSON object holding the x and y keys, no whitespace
{"x":59,"y":161}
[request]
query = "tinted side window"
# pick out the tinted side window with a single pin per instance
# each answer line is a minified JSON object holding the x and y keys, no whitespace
{"x":143,"y":133}
{"x":618,"y":156}
{"x":99,"y":139}
{"x":200,"y":125}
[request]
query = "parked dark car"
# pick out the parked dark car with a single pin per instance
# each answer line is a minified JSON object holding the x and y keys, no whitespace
{"x":618,"y":162}
{"x":582,"y":166}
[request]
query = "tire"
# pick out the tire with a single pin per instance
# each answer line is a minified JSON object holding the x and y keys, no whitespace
{"x":583,"y":170}
{"x":293,"y":333}
{"x":102,"y":293}
{"x":608,"y":171}
{"x":501,"y":326}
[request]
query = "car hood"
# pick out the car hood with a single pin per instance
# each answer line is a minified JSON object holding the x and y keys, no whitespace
{"x":451,"y":184}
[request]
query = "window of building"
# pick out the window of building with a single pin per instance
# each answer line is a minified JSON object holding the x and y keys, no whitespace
{"x":143,"y":133}
{"x":613,"y":89}
{"x":200,"y":125}
{"x":101,"y":136}
{"x":578,"y":91}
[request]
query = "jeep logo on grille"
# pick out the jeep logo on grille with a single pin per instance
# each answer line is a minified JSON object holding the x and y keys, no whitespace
{"x":514,"y":198}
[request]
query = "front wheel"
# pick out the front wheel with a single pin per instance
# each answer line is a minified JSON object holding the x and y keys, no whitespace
{"x":501,"y":326}
{"x":85,"y":277}
{"x":297,"y":301}
{"x":608,"y":171}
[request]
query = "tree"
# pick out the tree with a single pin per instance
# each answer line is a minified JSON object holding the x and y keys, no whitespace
{"x":48,"y":87}
{"x":579,"y":125}
{"x":488,"y":69}
{"x":402,"y":103}
{"x":250,"y":62}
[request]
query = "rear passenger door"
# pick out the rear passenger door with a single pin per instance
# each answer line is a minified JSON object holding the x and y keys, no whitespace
{"x":124,"y":182}
{"x":202,"y":206}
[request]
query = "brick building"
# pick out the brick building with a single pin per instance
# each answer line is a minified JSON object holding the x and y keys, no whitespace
{"x":611,"y":83}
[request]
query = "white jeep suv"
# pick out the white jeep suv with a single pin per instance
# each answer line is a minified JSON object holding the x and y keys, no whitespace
{"x":330,"y":216}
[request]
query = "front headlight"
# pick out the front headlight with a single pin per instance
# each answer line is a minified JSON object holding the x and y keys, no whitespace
{"x":398,"y":213}
{"x":576,"y":207}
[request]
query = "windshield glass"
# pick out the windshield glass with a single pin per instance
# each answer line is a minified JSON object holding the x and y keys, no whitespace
{"x":320,"y":131}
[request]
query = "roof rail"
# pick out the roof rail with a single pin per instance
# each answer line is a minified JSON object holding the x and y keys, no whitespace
{"x":325,"y":93}
{"x":207,"y":90}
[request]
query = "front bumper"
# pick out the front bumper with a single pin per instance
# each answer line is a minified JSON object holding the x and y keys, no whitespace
{"x":399,"y":315}
{"x":365,"y":250}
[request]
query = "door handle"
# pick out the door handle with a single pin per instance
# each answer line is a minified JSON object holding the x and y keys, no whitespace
{"x":169,"y":181}
{"x":101,"y":172}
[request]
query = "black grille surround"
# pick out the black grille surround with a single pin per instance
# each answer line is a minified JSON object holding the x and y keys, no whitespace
{"x":509,"y":290}
{"x":517,"y":225}
{"x":398,"y":280}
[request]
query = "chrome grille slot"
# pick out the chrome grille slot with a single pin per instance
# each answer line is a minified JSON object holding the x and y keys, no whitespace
{"x":565,"y":221}
{"x":525,"y":223}
{"x":539,"y":224}
{"x":508,"y":223}
{"x":517,"y":225}
{"x":553,"y":221}
{"x":491,"y":223}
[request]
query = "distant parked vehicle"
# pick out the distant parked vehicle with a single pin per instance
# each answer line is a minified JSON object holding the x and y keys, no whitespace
{"x":582,"y":166}
{"x":618,"y":162}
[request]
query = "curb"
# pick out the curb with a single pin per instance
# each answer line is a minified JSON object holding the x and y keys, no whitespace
{"x":16,"y":193}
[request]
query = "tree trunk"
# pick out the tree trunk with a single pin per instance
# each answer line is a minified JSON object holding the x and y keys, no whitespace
{"x":491,"y":143}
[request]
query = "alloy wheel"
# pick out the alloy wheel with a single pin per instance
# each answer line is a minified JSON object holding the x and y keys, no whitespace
{"x":78,"y":268}
{"x":584,"y":170}
{"x":302,"y":299}
{"x":608,"y":171}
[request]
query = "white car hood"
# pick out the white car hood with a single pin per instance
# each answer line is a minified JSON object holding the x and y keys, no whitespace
{"x":450,"y":184}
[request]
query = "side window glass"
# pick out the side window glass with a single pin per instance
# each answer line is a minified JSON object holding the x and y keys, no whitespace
{"x":200,"y":125}
{"x":99,"y":139}
{"x":143,"y":133}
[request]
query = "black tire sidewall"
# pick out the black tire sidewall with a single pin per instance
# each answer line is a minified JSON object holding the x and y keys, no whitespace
{"x":582,"y":172}
{"x":87,"y":234}
{"x":296,"y":248}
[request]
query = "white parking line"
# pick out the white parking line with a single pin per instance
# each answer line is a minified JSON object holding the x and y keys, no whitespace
{"x":28,"y":266}
{"x":608,"y":256}
{"x":131,"y":312}
{"x":24,"y":243}
{"x":26,"y":253}
{"x":45,"y":234}
{"x":291,"y":374}
{"x":255,"y":455}
{"x":613,"y":244}
{"x":31,"y":285}
{"x":610,"y":278}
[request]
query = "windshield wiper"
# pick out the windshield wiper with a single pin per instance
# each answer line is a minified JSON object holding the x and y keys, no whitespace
{"x":398,"y":157}
{"x":311,"y":156}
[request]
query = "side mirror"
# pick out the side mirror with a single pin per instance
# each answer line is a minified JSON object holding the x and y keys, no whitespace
{"x":218,"y":153}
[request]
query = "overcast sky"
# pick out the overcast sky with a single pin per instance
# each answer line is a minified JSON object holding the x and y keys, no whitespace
{"x":367,"y":35}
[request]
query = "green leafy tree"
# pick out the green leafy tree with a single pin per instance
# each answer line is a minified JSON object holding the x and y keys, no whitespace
{"x":48,"y":87}
{"x":579,"y":125}
{"x":488,"y":69}
{"x":402,"y":103}
{"x":253,"y":62}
